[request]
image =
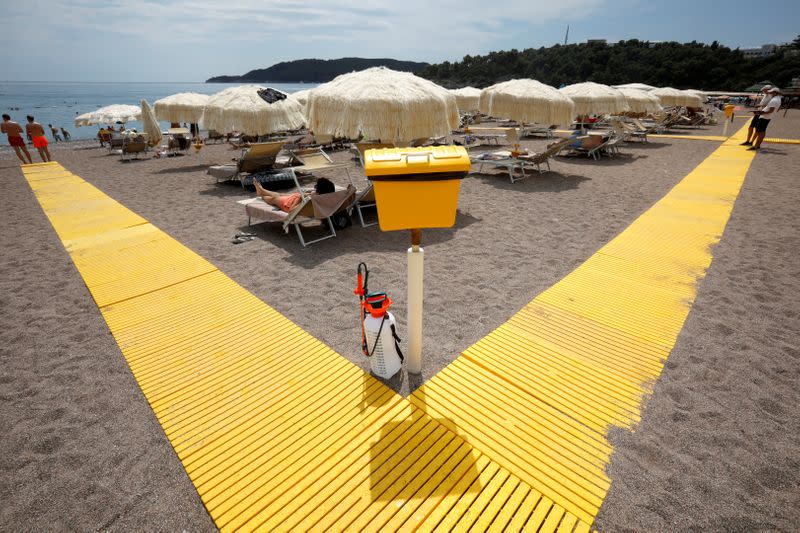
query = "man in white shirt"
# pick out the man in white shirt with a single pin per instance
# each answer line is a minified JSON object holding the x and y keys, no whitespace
{"x":765,"y":115}
{"x":764,"y":101}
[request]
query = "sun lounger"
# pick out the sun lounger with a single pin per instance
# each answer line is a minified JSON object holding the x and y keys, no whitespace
{"x":365,"y":198}
{"x":313,"y":160}
{"x":594,"y":152}
{"x":521,"y":163}
{"x":533,"y":130}
{"x":258,"y":157}
{"x":133,"y":147}
{"x":312,"y":207}
{"x":214,"y":135}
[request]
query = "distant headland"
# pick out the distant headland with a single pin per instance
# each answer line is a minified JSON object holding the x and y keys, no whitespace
{"x":315,"y":70}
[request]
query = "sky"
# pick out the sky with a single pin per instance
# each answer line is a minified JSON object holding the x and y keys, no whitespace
{"x":192,"y":40}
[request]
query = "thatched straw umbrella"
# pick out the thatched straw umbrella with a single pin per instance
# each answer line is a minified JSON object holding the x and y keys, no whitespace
{"x":248,"y":109}
{"x":301,"y":96}
{"x":110,"y":114}
{"x":595,"y":99}
{"x":676,"y":97}
{"x":380,"y":103}
{"x":467,"y":98}
{"x":700,"y":94}
{"x":527,"y":100}
{"x":181,"y":107}
{"x":150,"y":123}
{"x":641,"y":101}
{"x":639,"y":86}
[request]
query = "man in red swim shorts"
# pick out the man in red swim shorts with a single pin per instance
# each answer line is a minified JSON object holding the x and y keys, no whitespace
{"x":15,"y":139}
{"x":36,"y":131}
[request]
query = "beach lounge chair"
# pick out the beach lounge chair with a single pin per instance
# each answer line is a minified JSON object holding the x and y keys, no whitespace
{"x":593,"y":150}
{"x":365,"y":198}
{"x":320,"y":207}
{"x":534,"y":130}
{"x":543,"y":158}
{"x":312,"y":160}
{"x":522,"y":163}
{"x":133,"y":147}
{"x":258,"y":157}
{"x":214,"y":135}
{"x":115,"y":142}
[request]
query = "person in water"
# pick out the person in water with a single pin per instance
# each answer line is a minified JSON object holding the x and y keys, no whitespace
{"x":287,"y":202}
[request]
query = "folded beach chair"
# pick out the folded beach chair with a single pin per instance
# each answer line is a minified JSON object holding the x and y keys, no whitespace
{"x":133,"y":147}
{"x":258,"y":157}
{"x":319,"y":207}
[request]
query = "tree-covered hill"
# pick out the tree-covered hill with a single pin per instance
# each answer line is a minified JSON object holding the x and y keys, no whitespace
{"x":679,"y":65}
{"x":315,"y":70}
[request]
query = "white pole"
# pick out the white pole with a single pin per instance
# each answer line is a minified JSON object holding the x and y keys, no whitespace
{"x":416,"y":257}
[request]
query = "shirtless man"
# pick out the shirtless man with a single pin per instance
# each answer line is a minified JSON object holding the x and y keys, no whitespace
{"x":36,"y":131}
{"x":15,"y":139}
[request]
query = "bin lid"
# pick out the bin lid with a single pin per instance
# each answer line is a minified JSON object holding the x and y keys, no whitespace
{"x":421,"y":160}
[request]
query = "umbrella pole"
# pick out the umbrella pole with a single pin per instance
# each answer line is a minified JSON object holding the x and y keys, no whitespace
{"x":416,"y":257}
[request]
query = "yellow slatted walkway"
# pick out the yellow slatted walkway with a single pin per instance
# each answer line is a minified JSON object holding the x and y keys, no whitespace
{"x":718,"y":138}
{"x":275,"y":430}
{"x":778,"y":140}
{"x":539,"y":394}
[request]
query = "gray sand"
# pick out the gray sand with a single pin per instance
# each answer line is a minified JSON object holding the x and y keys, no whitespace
{"x":87,"y":453}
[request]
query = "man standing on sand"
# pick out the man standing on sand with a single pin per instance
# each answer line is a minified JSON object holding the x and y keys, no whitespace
{"x":752,"y":128}
{"x":765,"y":115}
{"x":36,"y":131}
{"x":15,"y":139}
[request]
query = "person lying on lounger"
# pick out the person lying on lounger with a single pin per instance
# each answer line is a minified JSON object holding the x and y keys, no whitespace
{"x":287,"y":202}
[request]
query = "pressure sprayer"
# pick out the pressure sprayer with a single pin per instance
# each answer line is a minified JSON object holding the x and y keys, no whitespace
{"x":379,"y":340}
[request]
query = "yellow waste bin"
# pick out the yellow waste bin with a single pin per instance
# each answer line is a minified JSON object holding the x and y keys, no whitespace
{"x":728,"y":110}
{"x":416,"y":188}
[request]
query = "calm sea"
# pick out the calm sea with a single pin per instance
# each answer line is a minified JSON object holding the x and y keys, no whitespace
{"x":58,"y":103}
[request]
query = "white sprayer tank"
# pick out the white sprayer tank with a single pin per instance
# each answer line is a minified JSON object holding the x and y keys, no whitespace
{"x":385,"y":360}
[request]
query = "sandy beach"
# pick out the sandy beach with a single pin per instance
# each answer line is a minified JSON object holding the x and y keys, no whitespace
{"x":718,"y":444}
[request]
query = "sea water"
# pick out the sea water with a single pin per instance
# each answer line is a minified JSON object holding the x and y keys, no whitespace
{"x":58,"y":103}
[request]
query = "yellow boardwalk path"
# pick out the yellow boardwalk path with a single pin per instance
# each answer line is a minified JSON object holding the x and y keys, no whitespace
{"x":276,"y":431}
{"x":546,"y":386}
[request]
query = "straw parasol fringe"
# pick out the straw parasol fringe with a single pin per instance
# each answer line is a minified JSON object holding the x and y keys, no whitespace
{"x":242,"y":109}
{"x":181,"y":107}
{"x":676,"y":97}
{"x":700,"y":94}
{"x":641,"y":101}
{"x":109,"y":114}
{"x":467,"y":98}
{"x":527,"y":100}
{"x":380,"y":103}
{"x":595,"y":99}
{"x":150,"y":123}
